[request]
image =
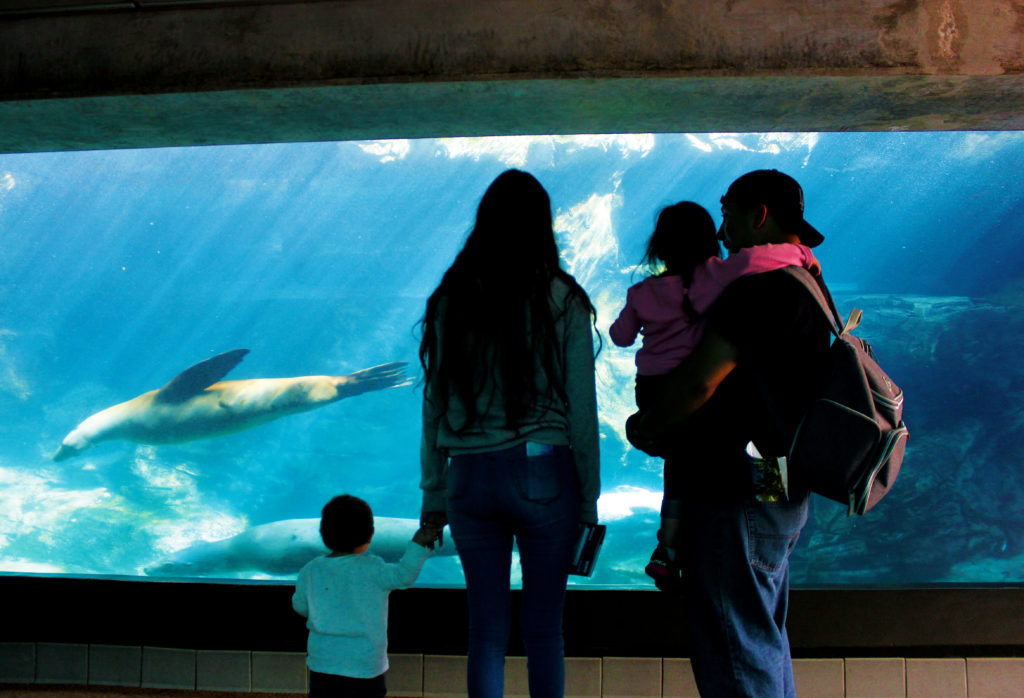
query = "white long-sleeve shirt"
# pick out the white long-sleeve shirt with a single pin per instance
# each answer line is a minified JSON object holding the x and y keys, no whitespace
{"x":345,"y":602}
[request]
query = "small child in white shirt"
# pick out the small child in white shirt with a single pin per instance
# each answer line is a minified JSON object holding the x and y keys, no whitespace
{"x":344,"y":596}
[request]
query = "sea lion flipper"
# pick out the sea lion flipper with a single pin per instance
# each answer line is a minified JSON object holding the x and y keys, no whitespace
{"x":389,"y":375}
{"x":195,"y":379}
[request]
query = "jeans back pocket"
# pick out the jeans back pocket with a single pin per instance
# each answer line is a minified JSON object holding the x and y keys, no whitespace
{"x":538,"y":477}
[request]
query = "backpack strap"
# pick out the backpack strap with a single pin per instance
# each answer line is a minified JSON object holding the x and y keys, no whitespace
{"x":818,"y":289}
{"x":815,"y":285}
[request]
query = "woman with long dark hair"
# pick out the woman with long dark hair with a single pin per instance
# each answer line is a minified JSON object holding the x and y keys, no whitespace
{"x":510,"y":437}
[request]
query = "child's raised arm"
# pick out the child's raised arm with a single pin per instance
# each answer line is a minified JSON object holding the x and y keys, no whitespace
{"x":401,"y":574}
{"x":626,"y":327}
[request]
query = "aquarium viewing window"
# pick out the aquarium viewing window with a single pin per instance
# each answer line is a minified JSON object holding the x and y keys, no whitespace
{"x":120,"y":269}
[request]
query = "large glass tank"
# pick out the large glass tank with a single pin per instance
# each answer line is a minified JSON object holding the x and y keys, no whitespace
{"x":121,"y":269}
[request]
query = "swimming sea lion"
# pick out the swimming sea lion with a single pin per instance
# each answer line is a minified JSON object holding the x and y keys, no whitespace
{"x":196,"y":404}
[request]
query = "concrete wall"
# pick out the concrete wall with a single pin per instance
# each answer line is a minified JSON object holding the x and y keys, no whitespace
{"x":203,"y":46}
{"x":154,"y":72}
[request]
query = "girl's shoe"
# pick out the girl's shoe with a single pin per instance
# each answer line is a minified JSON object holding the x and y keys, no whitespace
{"x":664,"y":572}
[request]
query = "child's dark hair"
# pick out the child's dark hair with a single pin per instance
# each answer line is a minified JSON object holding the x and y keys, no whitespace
{"x":346,"y":522}
{"x":683,"y":237}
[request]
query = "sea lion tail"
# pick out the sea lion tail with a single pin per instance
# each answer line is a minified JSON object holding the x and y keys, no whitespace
{"x":64,"y":452}
{"x":389,"y":375}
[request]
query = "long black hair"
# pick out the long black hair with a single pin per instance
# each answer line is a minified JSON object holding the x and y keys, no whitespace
{"x":491,"y":321}
{"x":684,"y":237}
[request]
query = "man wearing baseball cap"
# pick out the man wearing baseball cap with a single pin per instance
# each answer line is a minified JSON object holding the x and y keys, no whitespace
{"x":750,"y":379}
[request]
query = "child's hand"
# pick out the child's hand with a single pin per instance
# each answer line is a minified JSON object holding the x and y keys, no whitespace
{"x":811,"y":263}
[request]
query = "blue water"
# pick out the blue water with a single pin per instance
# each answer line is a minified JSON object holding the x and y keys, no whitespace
{"x":118,"y":269}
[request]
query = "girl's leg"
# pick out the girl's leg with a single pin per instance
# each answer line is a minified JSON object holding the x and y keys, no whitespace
{"x":672,"y":504}
{"x":664,"y":566}
{"x":546,"y":533}
{"x":483,"y":539}
{"x":647,"y":388}
{"x":670,"y":525}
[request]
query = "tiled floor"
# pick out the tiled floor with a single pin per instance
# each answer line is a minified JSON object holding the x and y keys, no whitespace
{"x":169,"y":668}
{"x":936,"y":678}
{"x":34,"y":669}
{"x":869,"y":678}
{"x":223,"y":670}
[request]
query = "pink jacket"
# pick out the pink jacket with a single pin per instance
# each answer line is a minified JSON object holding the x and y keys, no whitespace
{"x":654,"y":307}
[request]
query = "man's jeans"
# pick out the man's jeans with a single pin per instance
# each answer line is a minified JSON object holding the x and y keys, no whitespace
{"x":737,"y":594}
{"x":493,"y":497}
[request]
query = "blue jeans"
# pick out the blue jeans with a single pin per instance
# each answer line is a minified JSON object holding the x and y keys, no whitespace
{"x":737,"y":594}
{"x":492,"y":498}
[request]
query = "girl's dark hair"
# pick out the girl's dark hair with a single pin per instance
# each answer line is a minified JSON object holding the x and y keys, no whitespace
{"x":684,"y":237}
{"x":346,"y":522}
{"x":491,"y":321}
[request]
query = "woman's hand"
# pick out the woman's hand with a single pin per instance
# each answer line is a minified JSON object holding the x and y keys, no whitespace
{"x":425,"y":536}
{"x":432,"y":524}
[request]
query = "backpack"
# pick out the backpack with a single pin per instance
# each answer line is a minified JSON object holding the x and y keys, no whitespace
{"x":849,"y":445}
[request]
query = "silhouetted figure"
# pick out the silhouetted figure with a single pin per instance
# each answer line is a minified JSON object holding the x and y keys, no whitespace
{"x":510,"y":437}
{"x":750,"y":379}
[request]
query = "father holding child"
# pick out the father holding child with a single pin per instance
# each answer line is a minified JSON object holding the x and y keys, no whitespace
{"x":749,"y":380}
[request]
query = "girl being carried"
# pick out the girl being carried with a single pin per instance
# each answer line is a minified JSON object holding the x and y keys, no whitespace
{"x":687,"y":275}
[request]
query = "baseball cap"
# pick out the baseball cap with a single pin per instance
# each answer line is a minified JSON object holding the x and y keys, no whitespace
{"x":782,"y":196}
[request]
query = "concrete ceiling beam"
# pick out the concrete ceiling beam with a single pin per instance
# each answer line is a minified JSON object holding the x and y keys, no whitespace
{"x":357,"y":67}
